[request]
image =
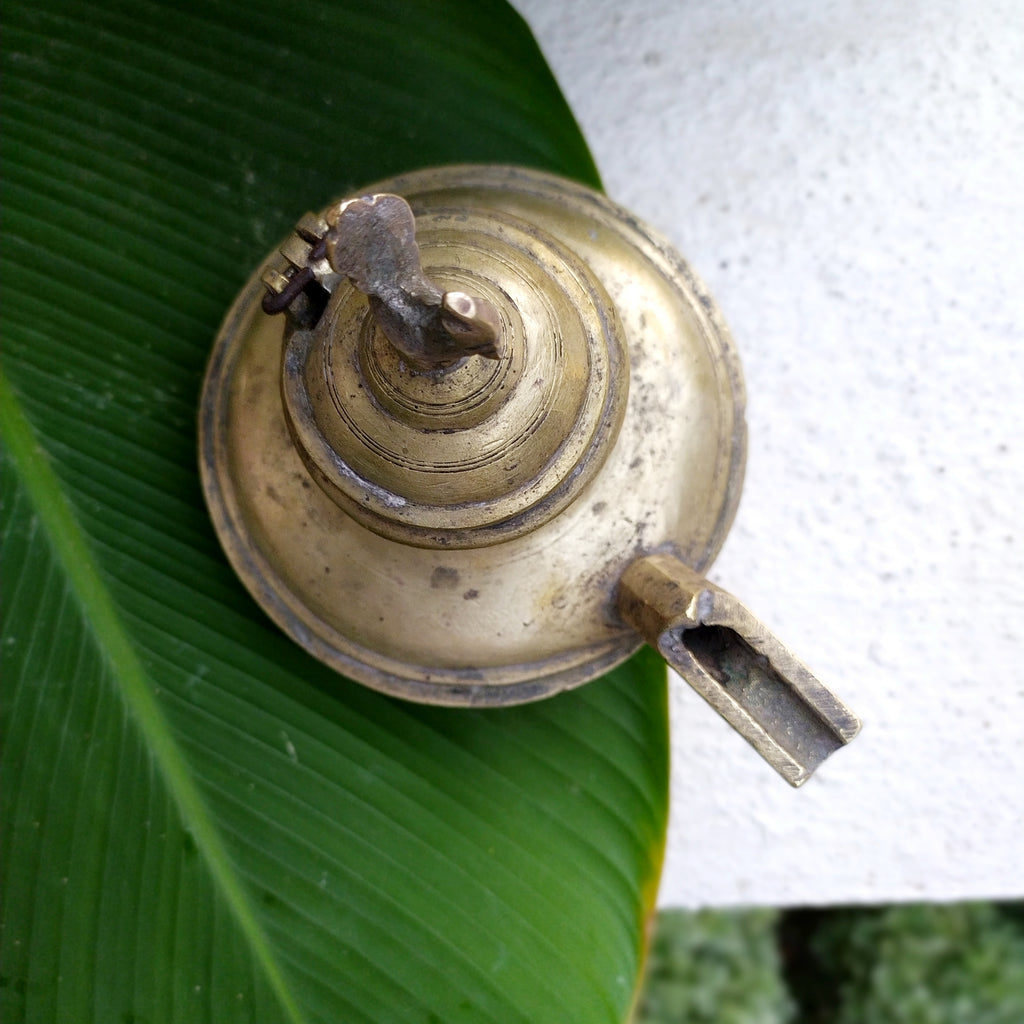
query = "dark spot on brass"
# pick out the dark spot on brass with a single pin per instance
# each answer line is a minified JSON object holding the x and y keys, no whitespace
{"x":753,"y":682}
{"x":470,"y":595}
{"x":598,"y":507}
{"x":444,"y":578}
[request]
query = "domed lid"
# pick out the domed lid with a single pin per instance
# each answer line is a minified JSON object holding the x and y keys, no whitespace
{"x":466,"y":451}
{"x":435,"y":485}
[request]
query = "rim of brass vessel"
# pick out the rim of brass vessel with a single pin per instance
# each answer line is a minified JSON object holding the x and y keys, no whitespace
{"x":494,"y":523}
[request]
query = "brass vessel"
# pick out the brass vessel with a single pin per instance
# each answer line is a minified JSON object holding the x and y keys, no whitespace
{"x":478,"y":453}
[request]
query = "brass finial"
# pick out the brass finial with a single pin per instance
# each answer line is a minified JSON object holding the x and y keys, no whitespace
{"x":371,"y":241}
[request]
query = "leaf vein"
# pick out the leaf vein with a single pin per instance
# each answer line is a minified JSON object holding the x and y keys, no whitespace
{"x":98,"y":610}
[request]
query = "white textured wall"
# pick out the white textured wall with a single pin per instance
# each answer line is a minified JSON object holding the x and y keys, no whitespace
{"x":848,"y":177}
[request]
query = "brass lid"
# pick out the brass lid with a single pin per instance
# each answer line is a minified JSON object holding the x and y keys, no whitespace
{"x":483,"y":450}
{"x":457,"y":536}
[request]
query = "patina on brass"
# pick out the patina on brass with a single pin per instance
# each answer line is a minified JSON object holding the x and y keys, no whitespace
{"x":489,"y":448}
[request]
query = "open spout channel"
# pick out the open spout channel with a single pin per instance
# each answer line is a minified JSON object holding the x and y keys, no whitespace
{"x":737,"y":665}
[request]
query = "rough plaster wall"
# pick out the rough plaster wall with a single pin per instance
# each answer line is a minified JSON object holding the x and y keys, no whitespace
{"x":848,"y":178}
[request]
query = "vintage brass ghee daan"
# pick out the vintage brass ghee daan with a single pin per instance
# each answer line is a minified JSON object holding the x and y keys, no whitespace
{"x":484,"y":464}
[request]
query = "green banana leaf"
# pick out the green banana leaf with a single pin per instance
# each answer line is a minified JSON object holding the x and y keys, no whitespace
{"x":200,"y":822}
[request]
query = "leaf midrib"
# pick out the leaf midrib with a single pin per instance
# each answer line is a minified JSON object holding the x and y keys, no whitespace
{"x":72,"y":552}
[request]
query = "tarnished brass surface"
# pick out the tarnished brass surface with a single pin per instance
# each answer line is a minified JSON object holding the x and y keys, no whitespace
{"x":480,"y":451}
{"x":491,"y":445}
{"x":459,"y":537}
{"x":736,"y":664}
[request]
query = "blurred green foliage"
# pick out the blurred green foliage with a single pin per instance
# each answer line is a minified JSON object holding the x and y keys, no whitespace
{"x":714,"y":967}
{"x":913,"y":964}
{"x":956,"y":964}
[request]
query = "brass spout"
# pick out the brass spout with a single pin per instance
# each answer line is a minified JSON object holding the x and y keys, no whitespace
{"x":736,"y":664}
